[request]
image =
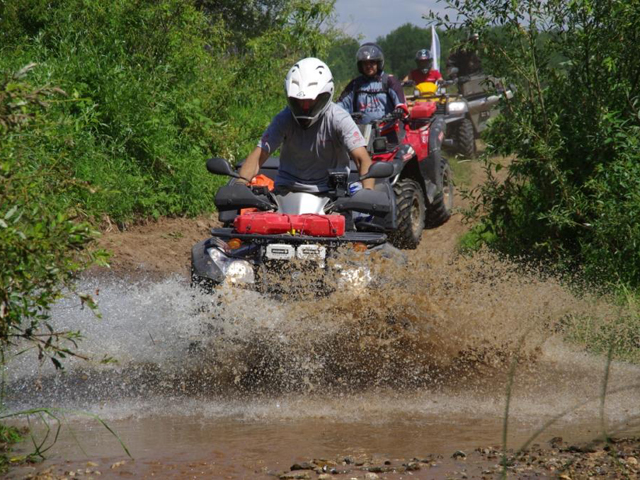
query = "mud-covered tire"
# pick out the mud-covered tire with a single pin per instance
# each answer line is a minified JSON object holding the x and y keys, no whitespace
{"x":411,"y":211}
{"x":465,"y":139}
{"x":439,"y":211}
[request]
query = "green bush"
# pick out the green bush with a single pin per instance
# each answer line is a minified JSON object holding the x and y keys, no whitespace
{"x":570,"y":196}
{"x":154,"y":89}
{"x":43,"y":244}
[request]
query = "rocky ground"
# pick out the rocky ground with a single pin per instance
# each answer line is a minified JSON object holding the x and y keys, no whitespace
{"x":613,"y":459}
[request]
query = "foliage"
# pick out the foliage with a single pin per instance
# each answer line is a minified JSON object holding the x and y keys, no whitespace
{"x":571,"y":194}
{"x":244,"y":20}
{"x":154,"y":90}
{"x":8,"y":437}
{"x":42,"y":243}
{"x":341,"y":59}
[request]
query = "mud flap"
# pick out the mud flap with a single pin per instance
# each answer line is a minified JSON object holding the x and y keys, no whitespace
{"x":429,"y":167}
{"x":387,"y":222}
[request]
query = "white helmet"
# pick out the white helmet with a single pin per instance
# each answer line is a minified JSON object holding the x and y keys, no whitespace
{"x":309,"y":79}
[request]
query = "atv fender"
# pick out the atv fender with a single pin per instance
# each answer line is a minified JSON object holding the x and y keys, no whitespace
{"x":201,"y":264}
{"x":429,"y":166}
{"x":385,"y":219}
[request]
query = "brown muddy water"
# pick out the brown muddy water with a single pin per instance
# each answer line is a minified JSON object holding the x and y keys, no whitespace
{"x":239,"y":385}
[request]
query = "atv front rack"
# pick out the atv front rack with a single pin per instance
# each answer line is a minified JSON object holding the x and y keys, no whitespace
{"x":367,"y":238}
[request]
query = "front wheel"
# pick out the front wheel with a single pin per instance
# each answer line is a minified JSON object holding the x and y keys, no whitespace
{"x":411,"y":214}
{"x":466,"y":138}
{"x":439,"y":211}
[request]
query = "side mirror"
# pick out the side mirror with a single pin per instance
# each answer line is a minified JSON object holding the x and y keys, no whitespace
{"x":379,"y":170}
{"x":219,"y":166}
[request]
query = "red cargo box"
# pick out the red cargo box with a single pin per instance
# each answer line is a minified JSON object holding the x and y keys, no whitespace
{"x":422,"y":110}
{"x":276,"y":223}
{"x":319,"y":225}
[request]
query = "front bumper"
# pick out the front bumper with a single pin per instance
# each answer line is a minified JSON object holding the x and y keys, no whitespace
{"x":213,"y":263}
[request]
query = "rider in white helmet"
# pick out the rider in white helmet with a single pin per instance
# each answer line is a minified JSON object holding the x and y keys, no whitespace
{"x":313,"y":134}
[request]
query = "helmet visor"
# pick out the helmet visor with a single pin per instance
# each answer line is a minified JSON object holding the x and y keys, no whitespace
{"x":369,"y":52}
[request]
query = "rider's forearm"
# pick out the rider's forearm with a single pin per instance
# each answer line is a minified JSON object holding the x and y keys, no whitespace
{"x":251,"y":165}
{"x":363,"y":161}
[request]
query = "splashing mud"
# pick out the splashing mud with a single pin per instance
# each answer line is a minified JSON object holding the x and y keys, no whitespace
{"x":436,"y":335}
{"x":416,"y":363}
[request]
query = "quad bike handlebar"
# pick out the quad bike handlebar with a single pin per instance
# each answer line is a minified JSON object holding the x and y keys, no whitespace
{"x":394,"y":116}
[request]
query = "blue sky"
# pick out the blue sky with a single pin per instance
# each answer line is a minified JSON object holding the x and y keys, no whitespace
{"x":374,"y":18}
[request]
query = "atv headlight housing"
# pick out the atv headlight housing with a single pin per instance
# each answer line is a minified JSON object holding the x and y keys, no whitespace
{"x":235,"y":270}
{"x":457,"y":107}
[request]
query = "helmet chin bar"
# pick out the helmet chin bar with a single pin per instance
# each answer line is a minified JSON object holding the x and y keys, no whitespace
{"x":304,"y":122}
{"x":307,"y":117}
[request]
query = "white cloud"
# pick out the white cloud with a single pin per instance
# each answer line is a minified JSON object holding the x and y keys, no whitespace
{"x":376,"y":18}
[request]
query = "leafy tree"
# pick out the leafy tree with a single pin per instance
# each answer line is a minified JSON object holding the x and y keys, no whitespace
{"x":43,"y":244}
{"x":245,"y":20}
{"x":571,"y":194}
{"x":341,"y":58}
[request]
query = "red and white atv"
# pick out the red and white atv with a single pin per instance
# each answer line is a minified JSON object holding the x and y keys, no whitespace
{"x":296,"y":232}
{"x":422,"y":179}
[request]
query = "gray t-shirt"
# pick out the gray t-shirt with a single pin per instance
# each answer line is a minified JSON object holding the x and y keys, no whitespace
{"x":307,"y":154}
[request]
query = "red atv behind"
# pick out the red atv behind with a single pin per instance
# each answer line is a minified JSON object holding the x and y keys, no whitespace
{"x":422,"y":178}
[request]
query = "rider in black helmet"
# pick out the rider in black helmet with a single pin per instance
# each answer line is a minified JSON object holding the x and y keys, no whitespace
{"x":374,"y":93}
{"x":425,"y":71}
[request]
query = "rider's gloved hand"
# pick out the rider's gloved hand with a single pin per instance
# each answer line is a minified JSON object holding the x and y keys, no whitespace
{"x":401,"y":111}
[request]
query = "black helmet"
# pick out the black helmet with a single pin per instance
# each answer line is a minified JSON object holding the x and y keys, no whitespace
{"x":370,"y":51}
{"x":424,"y":60}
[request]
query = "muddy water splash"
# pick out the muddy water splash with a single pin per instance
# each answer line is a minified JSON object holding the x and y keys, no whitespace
{"x":435,"y":337}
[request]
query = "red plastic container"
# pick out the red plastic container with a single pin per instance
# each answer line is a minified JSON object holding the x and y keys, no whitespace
{"x":268,"y":223}
{"x":423,"y":110}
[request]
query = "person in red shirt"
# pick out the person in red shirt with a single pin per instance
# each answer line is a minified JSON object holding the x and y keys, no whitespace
{"x":424,"y":72}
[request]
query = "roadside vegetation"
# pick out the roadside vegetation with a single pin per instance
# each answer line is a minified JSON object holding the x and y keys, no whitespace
{"x":570,"y":195}
{"x":569,"y":199}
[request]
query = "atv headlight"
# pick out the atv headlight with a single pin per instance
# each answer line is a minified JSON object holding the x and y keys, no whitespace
{"x":354,"y":277}
{"x":235,"y":270}
{"x":457,"y":107}
{"x":240,"y":271}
